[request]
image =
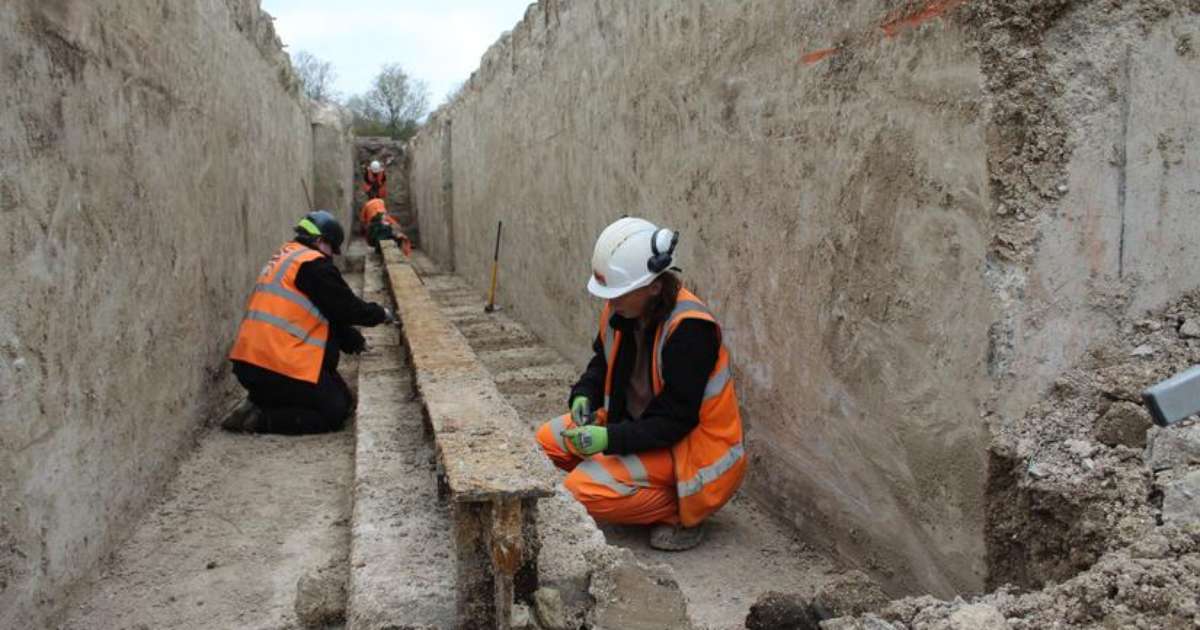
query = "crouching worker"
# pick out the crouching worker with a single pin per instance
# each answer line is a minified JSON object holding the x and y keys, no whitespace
{"x":299,"y":318}
{"x":378,"y":226}
{"x":664,"y":445}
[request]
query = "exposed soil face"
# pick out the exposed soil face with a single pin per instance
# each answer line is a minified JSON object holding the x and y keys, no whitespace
{"x":1069,"y":480}
{"x":1089,"y":500}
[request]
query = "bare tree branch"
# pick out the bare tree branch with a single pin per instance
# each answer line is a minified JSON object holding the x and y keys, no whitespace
{"x":316,"y":76}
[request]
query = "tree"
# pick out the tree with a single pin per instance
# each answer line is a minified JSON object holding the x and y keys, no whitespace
{"x":368,"y":121}
{"x":396,"y":101}
{"x":316,"y":76}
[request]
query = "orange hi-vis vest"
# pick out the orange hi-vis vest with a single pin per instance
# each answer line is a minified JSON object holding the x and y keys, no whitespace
{"x":375,"y":180}
{"x":372,"y":209}
{"x":710,"y":461}
{"x":283,"y":331}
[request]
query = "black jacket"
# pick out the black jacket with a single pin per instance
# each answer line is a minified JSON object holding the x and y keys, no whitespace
{"x":321,"y":281}
{"x":688,"y":358}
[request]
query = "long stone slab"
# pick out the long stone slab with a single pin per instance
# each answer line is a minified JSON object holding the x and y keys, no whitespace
{"x":486,"y":451}
{"x":488,"y":460}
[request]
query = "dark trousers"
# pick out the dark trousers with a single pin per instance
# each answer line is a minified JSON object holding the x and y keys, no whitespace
{"x":294,"y":407}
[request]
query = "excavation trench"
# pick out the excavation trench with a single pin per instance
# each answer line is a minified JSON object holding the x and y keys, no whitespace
{"x":349,"y":528}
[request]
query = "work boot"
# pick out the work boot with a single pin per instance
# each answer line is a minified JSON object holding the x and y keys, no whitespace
{"x":245,"y":418}
{"x":676,"y":537}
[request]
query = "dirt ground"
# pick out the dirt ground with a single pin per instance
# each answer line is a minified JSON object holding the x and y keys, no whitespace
{"x":746,"y":552}
{"x":245,"y":518}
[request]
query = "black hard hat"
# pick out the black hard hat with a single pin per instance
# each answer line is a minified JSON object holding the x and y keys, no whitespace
{"x":321,"y":223}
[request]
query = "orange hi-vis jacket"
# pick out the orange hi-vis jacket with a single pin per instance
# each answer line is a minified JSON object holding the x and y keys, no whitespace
{"x":283,"y":331}
{"x":372,"y":209}
{"x":710,"y":461}
{"x":376,"y":181}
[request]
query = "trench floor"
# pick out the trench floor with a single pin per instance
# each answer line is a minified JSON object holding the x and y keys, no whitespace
{"x":746,"y":551}
{"x":245,"y":517}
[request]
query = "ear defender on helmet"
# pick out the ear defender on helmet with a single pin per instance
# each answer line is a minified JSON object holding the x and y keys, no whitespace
{"x":660,"y":260}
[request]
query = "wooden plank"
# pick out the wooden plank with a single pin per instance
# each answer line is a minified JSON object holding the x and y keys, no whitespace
{"x":486,"y":452}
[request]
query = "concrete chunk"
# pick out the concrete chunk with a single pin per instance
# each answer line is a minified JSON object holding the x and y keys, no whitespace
{"x":632,"y":596}
{"x":1174,"y":447}
{"x":1181,"y":500}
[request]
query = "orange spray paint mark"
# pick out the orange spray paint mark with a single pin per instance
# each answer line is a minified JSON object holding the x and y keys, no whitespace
{"x":933,"y":9}
{"x":896,"y":23}
{"x":817,"y":55}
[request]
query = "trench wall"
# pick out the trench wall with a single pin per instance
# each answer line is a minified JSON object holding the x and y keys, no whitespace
{"x":152,"y":154}
{"x":333,"y":161}
{"x":909,"y":217}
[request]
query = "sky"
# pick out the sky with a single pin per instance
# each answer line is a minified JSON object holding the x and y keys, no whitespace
{"x":437,"y":41}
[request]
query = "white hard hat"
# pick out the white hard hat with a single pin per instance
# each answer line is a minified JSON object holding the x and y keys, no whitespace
{"x":629,"y":254}
{"x":376,"y":166}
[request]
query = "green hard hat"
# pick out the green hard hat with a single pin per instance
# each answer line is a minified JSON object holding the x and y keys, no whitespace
{"x":321,"y":223}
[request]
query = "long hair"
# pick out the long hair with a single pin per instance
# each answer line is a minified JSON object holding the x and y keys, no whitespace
{"x":664,"y":302}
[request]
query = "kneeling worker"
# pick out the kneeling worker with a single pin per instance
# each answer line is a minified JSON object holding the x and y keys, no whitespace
{"x":664,"y":446}
{"x":379,"y":225}
{"x":298,"y":319}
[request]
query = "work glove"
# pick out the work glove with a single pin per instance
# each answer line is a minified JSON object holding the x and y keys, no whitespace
{"x":586,"y":441}
{"x":581,"y":411}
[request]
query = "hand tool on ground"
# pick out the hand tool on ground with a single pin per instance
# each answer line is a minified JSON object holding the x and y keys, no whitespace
{"x":1174,"y":399}
{"x":491,"y":303}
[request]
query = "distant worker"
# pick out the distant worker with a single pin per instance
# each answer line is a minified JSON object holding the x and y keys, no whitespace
{"x":378,"y":225}
{"x":375,"y":181}
{"x":299,"y":318}
{"x":664,"y":444}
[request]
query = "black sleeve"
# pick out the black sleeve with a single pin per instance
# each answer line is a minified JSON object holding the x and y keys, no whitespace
{"x":688,"y":358}
{"x":323,"y":284}
{"x":348,"y":339}
{"x":591,"y":384}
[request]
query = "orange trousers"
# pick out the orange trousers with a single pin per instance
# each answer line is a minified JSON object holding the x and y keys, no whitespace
{"x":637,"y":489}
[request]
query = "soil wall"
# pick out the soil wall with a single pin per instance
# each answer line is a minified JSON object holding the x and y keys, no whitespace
{"x":909,"y":217}
{"x":152,"y":158}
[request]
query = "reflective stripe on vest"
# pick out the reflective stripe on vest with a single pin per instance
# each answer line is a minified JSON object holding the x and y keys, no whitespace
{"x":286,"y":326}
{"x":283,"y":331}
{"x":709,"y":473}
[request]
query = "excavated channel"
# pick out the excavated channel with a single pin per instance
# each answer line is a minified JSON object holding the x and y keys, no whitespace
{"x":746,"y":552}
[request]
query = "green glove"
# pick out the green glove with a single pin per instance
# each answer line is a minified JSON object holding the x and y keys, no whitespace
{"x":585,"y":441}
{"x":581,"y":411}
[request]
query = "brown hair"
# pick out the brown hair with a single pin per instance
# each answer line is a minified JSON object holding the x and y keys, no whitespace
{"x":664,"y":302}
